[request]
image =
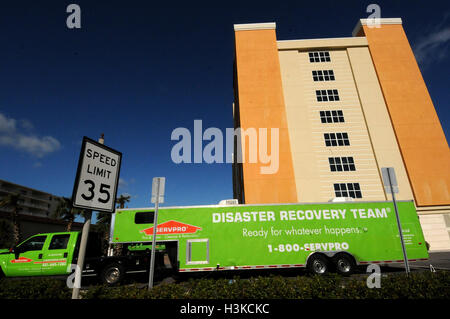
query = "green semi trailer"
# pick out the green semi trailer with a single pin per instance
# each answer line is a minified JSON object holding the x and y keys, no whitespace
{"x":321,"y":237}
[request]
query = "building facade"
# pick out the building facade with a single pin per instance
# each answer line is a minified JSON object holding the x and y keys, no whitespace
{"x":35,"y":210}
{"x":344,"y":108}
{"x":32,"y":202}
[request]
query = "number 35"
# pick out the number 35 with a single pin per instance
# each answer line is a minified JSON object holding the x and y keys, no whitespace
{"x":103,"y":190}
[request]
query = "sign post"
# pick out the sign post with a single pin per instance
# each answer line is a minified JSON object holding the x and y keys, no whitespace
{"x":157,"y":197}
{"x":391,"y":186}
{"x":95,"y":188}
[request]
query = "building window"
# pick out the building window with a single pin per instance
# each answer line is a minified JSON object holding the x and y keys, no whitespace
{"x":336,"y":139}
{"x":319,"y":56}
{"x":347,"y":190}
{"x":327,"y":95}
{"x":336,"y":116}
{"x":323,"y":75}
{"x":339,"y":164}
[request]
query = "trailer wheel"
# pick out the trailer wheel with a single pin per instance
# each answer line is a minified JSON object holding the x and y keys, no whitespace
{"x":318,"y":264}
{"x":112,"y":274}
{"x":344,"y":264}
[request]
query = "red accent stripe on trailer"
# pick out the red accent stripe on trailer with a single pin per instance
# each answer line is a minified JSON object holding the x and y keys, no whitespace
{"x":50,"y":261}
{"x":240,"y":267}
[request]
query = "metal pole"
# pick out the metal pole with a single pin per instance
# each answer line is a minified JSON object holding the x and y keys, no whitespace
{"x":83,"y":244}
{"x":81,"y":254}
{"x":155,"y":225}
{"x":405,"y":257}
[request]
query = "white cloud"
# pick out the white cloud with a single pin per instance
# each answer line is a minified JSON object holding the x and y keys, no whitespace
{"x":7,"y":125}
{"x":433,"y":46}
{"x":26,"y":124}
{"x":37,"y":164}
{"x":122,"y":183}
{"x":37,"y":146}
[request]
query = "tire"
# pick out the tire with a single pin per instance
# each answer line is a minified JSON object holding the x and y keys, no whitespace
{"x":112,"y":274}
{"x":318,"y":264}
{"x":344,"y":264}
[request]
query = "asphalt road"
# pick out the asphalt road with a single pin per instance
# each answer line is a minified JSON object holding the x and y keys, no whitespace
{"x":438,"y":260}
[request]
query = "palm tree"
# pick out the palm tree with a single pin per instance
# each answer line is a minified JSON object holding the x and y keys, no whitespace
{"x":12,"y":200}
{"x":122,"y":200}
{"x":67,"y":212}
{"x":6,"y":232}
{"x":105,"y":221}
{"x":103,"y":225}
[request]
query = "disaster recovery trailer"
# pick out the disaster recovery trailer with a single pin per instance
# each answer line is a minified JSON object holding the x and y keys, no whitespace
{"x":321,"y":237}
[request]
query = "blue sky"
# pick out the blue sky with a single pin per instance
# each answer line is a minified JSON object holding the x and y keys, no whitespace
{"x":137,"y":70}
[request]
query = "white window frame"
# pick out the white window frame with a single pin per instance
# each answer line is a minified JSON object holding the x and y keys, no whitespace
{"x":189,"y":252}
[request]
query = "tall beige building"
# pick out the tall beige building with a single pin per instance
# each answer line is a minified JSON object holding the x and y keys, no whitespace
{"x":345,"y":108}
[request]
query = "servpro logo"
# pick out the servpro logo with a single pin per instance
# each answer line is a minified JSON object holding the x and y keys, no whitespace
{"x":21,"y":260}
{"x":172,"y":227}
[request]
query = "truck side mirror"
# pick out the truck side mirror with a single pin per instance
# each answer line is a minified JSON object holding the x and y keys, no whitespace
{"x":15,"y":251}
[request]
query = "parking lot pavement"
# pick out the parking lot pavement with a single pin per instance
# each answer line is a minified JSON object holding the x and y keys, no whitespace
{"x":439,"y":260}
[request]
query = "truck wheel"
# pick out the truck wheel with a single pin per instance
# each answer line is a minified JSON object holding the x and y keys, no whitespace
{"x":344,"y":263}
{"x":318,"y":264}
{"x":112,"y":274}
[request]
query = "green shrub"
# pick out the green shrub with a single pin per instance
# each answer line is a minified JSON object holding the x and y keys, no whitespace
{"x":423,"y":285}
{"x":35,"y":288}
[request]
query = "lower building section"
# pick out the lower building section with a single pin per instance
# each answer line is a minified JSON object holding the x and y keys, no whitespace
{"x":435,"y":222}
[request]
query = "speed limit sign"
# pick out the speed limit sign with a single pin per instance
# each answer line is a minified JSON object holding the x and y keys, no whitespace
{"x":97,"y":177}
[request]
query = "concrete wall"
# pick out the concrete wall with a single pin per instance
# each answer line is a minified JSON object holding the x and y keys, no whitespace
{"x":419,"y":133}
{"x":261,"y":105}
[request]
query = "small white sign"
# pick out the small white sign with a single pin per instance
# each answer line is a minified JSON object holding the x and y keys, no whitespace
{"x":389,"y":173}
{"x":97,"y":177}
{"x":162,"y":183}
